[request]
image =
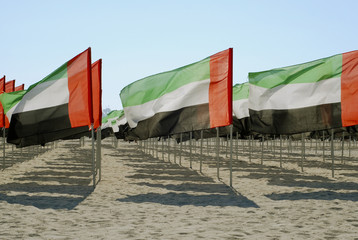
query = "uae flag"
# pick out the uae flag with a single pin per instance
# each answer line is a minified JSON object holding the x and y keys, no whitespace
{"x":10,"y":86}
{"x":240,"y":107}
{"x":20,"y":87}
{"x":96,"y":71}
{"x":2,"y":90}
{"x":194,"y":97}
{"x":10,"y":101}
{"x":60,"y":105}
{"x":317,"y":95}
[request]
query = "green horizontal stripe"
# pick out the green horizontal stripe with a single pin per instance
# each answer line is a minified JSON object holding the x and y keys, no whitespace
{"x":155,"y":86}
{"x":59,"y":73}
{"x":113,"y":114}
{"x":9,"y":100}
{"x":310,"y":72}
{"x":240,"y":91}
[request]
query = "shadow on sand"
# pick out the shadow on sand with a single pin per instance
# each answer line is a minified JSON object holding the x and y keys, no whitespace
{"x":63,"y":183}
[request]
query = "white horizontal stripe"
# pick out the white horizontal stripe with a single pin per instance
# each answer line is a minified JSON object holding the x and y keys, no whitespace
{"x":191,"y":94}
{"x":241,"y":108}
{"x":45,"y":95}
{"x":122,"y":121}
{"x":292,"y":96}
{"x":10,"y":112}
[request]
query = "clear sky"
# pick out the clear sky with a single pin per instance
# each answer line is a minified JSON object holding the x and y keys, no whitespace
{"x":136,"y":38}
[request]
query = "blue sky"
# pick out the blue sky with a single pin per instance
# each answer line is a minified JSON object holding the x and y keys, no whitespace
{"x":136,"y":38}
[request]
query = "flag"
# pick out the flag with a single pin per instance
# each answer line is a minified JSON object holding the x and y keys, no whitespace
{"x":10,"y":86}
{"x":20,"y":87}
{"x":10,"y":101}
{"x":59,"y":105}
{"x":194,"y":97}
{"x":2,"y":90}
{"x":240,"y":108}
{"x":96,"y":71}
{"x":111,"y":119}
{"x":240,"y":94}
{"x":317,"y":95}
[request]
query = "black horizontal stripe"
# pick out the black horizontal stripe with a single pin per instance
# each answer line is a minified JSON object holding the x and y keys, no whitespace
{"x":167,"y":123}
{"x":41,"y":126}
{"x":293,"y":121}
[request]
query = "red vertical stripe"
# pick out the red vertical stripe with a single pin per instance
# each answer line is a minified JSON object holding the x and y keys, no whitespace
{"x":20,"y":87}
{"x":97,"y":93}
{"x":79,"y":86}
{"x":2,"y":89}
{"x":349,"y":89}
{"x":9,"y":87}
{"x":220,"y":89}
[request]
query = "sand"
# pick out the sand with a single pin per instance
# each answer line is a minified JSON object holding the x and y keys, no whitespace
{"x":50,"y":195}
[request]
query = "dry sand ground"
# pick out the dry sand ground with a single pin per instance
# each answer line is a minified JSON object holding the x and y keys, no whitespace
{"x":50,"y":196}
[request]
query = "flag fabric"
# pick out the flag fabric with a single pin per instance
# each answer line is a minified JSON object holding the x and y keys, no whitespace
{"x":20,"y":87}
{"x":317,"y":95}
{"x":2,"y":90}
{"x":96,"y":71}
{"x":109,"y":123}
{"x":112,"y":120}
{"x":194,"y":97}
{"x":240,"y":108}
{"x":59,"y":105}
{"x":10,"y":101}
{"x":10,"y":86}
{"x":240,"y":95}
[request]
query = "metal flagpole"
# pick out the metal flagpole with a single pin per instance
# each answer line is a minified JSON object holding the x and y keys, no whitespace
{"x":163,"y":149}
{"x":93,"y":158}
{"x":217,"y":152}
{"x":201,"y":150}
{"x":181,"y":144}
{"x":168,"y":148}
{"x":349,"y":147}
{"x":342,"y":147}
{"x":175,"y":151}
{"x":323,"y":147}
{"x":302,"y":150}
{"x":262,"y":150}
{"x":3,"y":137}
{"x":231,"y":155}
{"x":190,"y":157}
{"x":156,"y":148}
{"x":332,"y":151}
{"x":316,"y":143}
{"x":99,"y":153}
{"x":274,"y":146}
{"x":250,"y":143}
{"x":237,"y":145}
{"x":280,"y":151}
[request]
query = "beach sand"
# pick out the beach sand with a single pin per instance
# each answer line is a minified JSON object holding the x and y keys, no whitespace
{"x":140,"y":196}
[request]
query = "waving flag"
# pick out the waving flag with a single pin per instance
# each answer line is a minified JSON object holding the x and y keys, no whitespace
{"x":240,"y":107}
{"x":60,"y":105}
{"x":317,"y":95}
{"x":194,"y":97}
{"x":10,"y":86}
{"x":9,"y":102}
{"x":96,"y":71}
{"x":20,"y":87}
{"x":2,"y":90}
